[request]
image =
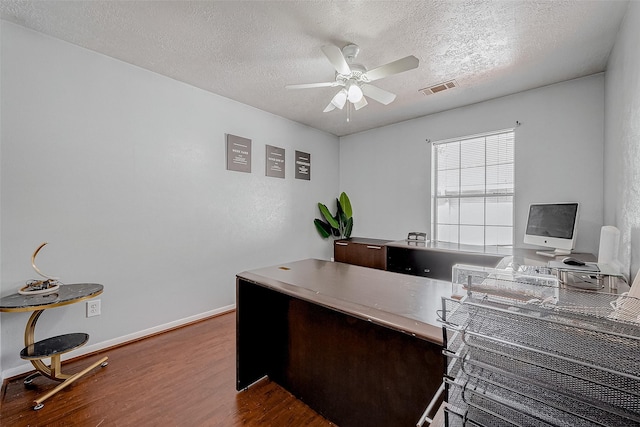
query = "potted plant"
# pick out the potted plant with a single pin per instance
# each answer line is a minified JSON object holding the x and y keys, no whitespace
{"x":338,"y":225}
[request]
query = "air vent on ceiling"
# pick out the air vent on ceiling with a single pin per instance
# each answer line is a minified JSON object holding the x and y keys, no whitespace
{"x":439,"y":87}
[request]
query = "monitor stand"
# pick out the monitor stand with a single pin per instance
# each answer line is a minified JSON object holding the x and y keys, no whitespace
{"x":555,"y":253}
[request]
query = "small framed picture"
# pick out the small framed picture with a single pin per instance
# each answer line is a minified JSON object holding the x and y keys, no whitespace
{"x":275,"y":161}
{"x":303,"y":165}
{"x":238,"y":153}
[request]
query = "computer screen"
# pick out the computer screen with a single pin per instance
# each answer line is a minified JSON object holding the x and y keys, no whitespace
{"x":552,"y":225}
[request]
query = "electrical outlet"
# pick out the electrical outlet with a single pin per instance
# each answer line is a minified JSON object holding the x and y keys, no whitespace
{"x":93,"y":308}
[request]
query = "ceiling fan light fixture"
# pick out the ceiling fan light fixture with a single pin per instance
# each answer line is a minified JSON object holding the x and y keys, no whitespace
{"x":354,"y":93}
{"x":340,"y":99}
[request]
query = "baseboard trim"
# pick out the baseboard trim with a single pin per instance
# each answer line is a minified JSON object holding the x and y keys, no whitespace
{"x":123,"y":340}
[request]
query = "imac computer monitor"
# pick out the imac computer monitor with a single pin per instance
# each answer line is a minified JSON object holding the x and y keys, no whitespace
{"x":552,"y":225}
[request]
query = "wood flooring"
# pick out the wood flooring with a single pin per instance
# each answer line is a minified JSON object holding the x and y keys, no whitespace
{"x":184,"y":377}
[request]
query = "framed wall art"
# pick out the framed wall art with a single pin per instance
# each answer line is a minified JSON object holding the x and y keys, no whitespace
{"x":275,"y":161}
{"x":303,"y":165}
{"x":238,"y":153}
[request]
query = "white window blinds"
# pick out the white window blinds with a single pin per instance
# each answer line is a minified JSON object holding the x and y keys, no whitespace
{"x":473,"y":189}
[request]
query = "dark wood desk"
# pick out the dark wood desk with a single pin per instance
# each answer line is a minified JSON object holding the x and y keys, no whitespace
{"x":360,"y":346}
{"x":53,"y":347}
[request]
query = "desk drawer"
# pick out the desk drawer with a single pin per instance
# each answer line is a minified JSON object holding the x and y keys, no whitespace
{"x":368,"y":254}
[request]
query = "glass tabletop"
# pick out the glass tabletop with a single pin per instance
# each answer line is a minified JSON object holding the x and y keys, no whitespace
{"x":66,"y":294}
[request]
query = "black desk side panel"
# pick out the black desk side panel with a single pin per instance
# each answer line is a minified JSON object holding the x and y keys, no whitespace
{"x":261,"y":332}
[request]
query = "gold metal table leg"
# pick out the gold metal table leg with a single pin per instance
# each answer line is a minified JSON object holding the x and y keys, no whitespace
{"x":54,"y":370}
{"x":71,"y":378}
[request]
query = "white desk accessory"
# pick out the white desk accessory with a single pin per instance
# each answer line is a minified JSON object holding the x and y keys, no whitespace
{"x":609,"y":246}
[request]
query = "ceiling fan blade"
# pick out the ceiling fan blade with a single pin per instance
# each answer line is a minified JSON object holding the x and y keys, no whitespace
{"x":311,"y":85}
{"x":405,"y":64}
{"x":377,"y":94}
{"x":334,"y":55}
{"x":329,"y":107}
{"x":362,"y":103}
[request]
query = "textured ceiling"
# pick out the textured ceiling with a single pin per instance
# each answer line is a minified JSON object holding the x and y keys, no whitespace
{"x":248,"y":51}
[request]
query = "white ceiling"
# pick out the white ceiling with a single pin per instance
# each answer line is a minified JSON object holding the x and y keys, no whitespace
{"x":249,"y":50}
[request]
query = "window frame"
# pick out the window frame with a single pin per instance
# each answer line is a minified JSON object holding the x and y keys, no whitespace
{"x":484,"y":196}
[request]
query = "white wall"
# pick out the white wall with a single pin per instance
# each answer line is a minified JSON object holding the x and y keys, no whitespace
{"x":622,"y":140}
{"x":0,"y":187}
{"x":122,"y":171}
{"x":559,"y":146}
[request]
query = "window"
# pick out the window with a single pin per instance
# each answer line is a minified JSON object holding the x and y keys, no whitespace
{"x":473,"y":189}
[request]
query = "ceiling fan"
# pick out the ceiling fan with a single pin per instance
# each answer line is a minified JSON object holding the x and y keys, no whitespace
{"x":354,"y":79}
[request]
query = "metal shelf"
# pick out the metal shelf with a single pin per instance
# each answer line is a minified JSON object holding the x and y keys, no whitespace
{"x":524,"y":352}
